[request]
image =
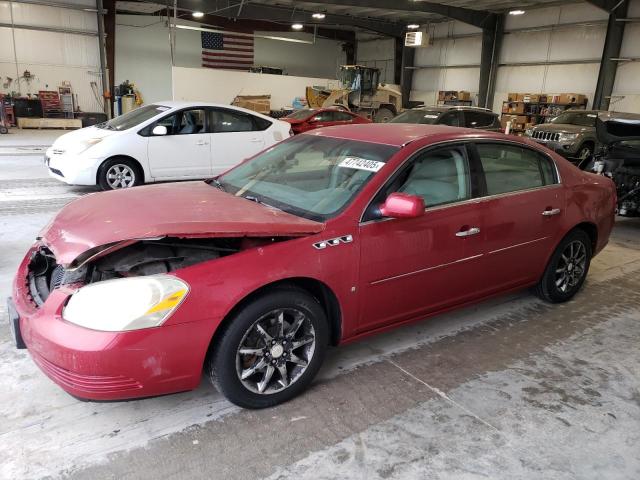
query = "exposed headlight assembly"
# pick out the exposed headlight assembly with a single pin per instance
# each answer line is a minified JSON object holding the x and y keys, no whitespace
{"x":126,"y":303}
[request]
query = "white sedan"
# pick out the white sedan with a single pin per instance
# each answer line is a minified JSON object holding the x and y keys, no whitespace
{"x":160,"y":142}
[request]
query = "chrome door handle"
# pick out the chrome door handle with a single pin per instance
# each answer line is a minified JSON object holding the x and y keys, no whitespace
{"x":255,"y":140}
{"x":551,"y":213}
{"x":468,"y":233}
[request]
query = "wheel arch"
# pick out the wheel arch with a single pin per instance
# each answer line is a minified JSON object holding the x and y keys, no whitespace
{"x":590,"y":229}
{"x":319,"y":290}
{"x":125,"y":157}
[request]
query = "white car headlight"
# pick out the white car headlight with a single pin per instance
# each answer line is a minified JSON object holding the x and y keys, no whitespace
{"x":84,"y":145}
{"x":126,"y":303}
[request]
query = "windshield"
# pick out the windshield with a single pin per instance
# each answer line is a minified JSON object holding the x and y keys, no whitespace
{"x":416,"y":116}
{"x":133,"y":118}
{"x":301,"y":114}
{"x":308,"y":176}
{"x":576,"y":118}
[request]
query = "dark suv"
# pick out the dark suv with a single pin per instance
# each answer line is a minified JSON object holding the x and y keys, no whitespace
{"x":469,"y":117}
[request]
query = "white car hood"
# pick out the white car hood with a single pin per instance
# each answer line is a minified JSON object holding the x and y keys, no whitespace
{"x":73,"y":138}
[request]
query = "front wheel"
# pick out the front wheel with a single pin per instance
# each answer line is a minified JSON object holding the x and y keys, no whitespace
{"x":567,"y":269}
{"x":119,"y":173}
{"x":383,"y":115}
{"x":271,"y":349}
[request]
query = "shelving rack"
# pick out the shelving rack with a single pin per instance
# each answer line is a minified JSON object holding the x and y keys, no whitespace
{"x":536,"y":112}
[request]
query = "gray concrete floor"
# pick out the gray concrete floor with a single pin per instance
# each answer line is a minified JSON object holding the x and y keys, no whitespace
{"x":510,"y":388}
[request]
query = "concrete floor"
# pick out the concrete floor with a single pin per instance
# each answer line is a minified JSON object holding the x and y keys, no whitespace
{"x":511,"y":388}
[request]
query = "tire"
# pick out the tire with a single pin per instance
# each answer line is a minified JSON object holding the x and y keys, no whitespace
{"x":240,"y":377}
{"x":383,"y":115}
{"x":131,"y":172}
{"x":549,"y":287}
{"x":3,"y":129}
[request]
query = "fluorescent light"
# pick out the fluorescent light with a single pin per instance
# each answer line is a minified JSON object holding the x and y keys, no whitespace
{"x":516,"y":12}
{"x":197,"y":14}
{"x":238,"y":34}
{"x":297,"y":26}
{"x":413,"y":26}
{"x":318,"y":16}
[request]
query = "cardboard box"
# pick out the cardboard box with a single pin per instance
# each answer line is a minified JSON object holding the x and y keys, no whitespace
{"x":516,"y":108}
{"x":257,"y":103}
{"x":520,"y":97}
{"x":512,"y":97}
{"x":531,"y":98}
{"x":567,"y":98}
{"x":505,"y":107}
{"x":464,"y":95}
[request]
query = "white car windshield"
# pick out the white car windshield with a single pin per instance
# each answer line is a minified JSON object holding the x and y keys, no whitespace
{"x":133,"y":118}
{"x":310,"y":176}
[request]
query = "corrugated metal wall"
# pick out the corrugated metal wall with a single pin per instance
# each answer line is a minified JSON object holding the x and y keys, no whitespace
{"x":51,"y":57}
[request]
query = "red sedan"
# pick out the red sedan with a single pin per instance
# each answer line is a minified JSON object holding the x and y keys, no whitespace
{"x":305,"y":120}
{"x":325,"y":238}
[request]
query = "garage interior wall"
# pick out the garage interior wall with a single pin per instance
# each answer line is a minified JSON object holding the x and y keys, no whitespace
{"x":561,"y":47}
{"x":50,"y":57}
{"x":147,"y":37}
{"x":374,"y":51}
{"x":626,"y":89}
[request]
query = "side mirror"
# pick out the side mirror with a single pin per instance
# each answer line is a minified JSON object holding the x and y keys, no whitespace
{"x":159,"y":130}
{"x":402,"y":205}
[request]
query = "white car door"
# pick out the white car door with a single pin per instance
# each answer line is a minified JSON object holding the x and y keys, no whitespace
{"x":185,"y":151}
{"x":235,"y":137}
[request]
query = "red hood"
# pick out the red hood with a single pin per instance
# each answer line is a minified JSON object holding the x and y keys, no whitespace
{"x":189,"y":209}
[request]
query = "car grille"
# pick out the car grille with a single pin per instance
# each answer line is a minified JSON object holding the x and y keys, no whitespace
{"x":85,"y":383}
{"x":56,"y":171}
{"x":546,"y":136}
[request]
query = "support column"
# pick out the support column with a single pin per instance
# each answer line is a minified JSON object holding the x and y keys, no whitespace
{"x":406,"y":74}
{"x":489,"y":59}
{"x":608,"y":67}
{"x":110,"y":44}
{"x":103,"y":58}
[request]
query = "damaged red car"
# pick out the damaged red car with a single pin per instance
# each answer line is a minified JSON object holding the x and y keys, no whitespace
{"x":320,"y":240}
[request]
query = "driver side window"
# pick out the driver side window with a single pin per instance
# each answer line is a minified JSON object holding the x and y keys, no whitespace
{"x":186,"y":122}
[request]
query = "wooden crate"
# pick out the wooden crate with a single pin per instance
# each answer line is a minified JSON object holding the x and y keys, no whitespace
{"x":39,"y":123}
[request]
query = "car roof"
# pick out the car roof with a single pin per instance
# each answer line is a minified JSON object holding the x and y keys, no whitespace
{"x":173,"y":104}
{"x":400,"y":134}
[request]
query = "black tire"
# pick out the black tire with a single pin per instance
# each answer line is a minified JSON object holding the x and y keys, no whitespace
{"x":224,"y":366}
{"x":383,"y":115}
{"x":105,"y":170}
{"x":548,"y":288}
{"x":3,"y":129}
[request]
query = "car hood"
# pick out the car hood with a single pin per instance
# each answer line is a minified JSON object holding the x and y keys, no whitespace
{"x":562,"y":128}
{"x":111,"y":220}
{"x":72,"y":139}
{"x":293,"y":121}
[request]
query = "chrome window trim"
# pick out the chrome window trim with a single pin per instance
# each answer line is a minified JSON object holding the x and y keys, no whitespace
{"x":469,"y":200}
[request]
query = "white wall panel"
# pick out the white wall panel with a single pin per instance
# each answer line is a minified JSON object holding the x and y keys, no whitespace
{"x":54,"y":17}
{"x":631,"y":41}
{"x":222,"y":86}
{"x":427,"y":82}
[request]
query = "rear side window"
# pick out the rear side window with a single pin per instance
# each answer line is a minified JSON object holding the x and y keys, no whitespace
{"x":477,"y":119}
{"x":342,"y":117}
{"x":222,"y":121}
{"x":450,"y":118}
{"x":509,"y":168}
{"x":261,"y":123}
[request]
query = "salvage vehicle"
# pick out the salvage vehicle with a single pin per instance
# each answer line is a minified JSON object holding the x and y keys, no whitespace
{"x":572,"y":134}
{"x":161,"y":142}
{"x":619,"y":158}
{"x":312,"y":118}
{"x":452,"y":115}
{"x":323,"y":239}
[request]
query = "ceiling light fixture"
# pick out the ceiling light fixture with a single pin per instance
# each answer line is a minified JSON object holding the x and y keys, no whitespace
{"x":297,"y":26}
{"x":413,"y":26}
{"x":197,"y":14}
{"x":516,"y":12}
{"x":318,"y":16}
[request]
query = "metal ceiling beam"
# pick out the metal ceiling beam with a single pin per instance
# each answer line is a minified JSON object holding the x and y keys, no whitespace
{"x":606,"y":5}
{"x":611,"y":51}
{"x":255,"y":11}
{"x":477,"y":18}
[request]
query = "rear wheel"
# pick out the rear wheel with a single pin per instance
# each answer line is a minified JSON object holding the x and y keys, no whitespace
{"x":3,"y":129}
{"x":567,"y":268}
{"x":383,"y":115}
{"x":271,"y":350}
{"x":118,"y":173}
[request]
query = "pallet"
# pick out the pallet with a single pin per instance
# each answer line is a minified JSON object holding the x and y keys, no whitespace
{"x":40,"y":123}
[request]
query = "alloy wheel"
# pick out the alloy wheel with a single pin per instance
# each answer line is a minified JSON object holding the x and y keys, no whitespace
{"x":121,"y":176}
{"x":275,"y":351}
{"x":571,"y":266}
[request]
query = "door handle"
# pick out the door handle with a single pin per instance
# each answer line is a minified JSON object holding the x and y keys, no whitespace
{"x":202,"y":142}
{"x":551,"y":212}
{"x":255,"y":140}
{"x":468,"y":233}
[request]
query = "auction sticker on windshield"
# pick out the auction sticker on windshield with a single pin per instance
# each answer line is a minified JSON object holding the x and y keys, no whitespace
{"x":361,"y":164}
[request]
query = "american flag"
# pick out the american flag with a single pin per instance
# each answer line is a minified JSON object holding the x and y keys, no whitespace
{"x":227,"y":50}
